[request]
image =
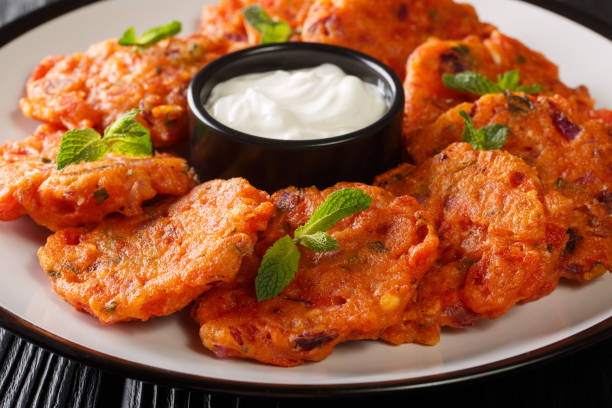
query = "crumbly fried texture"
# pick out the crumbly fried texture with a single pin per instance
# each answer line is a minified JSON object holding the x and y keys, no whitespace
{"x":385,"y":29}
{"x":389,"y":29}
{"x":427,"y":97}
{"x":225,"y":19}
{"x":24,"y":165}
{"x":573,"y":157}
{"x":94,"y":88}
{"x":155,"y":264}
{"x":348,"y":294}
{"x":498,"y":241}
{"x":83,"y":193}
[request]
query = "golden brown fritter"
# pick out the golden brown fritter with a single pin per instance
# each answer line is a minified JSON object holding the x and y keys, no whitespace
{"x":571,"y":153}
{"x":438,"y":304}
{"x":427,"y":97}
{"x":348,"y":294}
{"x":24,"y":165}
{"x":84,"y":193}
{"x":498,"y":241}
{"x":94,"y":88}
{"x":389,"y":29}
{"x":225,"y":20}
{"x":155,"y":264}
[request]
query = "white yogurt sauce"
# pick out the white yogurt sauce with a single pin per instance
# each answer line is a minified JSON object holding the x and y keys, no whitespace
{"x":311,"y":103}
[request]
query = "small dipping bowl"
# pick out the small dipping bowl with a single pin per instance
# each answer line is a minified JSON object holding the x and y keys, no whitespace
{"x":218,"y":151}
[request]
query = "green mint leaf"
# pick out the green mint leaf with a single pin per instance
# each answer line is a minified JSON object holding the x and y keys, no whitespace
{"x":272,"y":31}
{"x":473,"y":82}
{"x":79,"y":145}
{"x":280,"y":32}
{"x":532,"y":89}
{"x":491,"y":137}
{"x":277,"y":269}
{"x":128,"y":37}
{"x":156,"y":34}
{"x":338,"y":205}
{"x":319,"y":242}
{"x":509,"y":80}
{"x":495,"y":136}
{"x":280,"y":262}
{"x":470,"y":82}
{"x":128,"y":137}
{"x":125,"y":136}
{"x":470,"y":134}
{"x":151,"y":36}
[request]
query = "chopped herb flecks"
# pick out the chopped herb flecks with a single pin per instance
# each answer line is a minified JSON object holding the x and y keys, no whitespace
{"x":100,"y":196}
{"x":110,"y":306}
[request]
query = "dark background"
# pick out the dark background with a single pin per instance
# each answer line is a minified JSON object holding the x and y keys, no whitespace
{"x":33,"y":377}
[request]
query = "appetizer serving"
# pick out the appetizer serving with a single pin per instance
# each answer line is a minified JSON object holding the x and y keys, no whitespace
{"x":505,"y":187}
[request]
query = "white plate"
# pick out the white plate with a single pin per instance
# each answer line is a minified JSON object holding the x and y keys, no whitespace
{"x":170,"y":347}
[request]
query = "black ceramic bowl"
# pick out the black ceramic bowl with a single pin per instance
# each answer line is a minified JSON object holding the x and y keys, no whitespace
{"x":218,"y":151}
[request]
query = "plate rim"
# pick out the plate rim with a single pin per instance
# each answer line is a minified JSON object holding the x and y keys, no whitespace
{"x":45,"y":339}
{"x":41,"y":337}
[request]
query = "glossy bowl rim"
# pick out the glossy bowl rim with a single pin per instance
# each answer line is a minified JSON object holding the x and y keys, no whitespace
{"x":385,"y":73}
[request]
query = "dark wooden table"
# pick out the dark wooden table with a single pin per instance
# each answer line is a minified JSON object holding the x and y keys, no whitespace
{"x":33,"y":377}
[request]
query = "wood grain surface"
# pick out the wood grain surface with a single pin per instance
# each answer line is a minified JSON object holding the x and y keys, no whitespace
{"x":33,"y":377}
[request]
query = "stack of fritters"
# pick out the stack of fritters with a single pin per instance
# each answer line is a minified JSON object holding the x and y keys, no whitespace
{"x":94,"y":88}
{"x":496,"y":247}
{"x":83,"y":193}
{"x":571,"y":153}
{"x":452,"y":236}
{"x":352,"y":293}
{"x":385,"y":29}
{"x":157,"y":263}
{"x":427,"y":97}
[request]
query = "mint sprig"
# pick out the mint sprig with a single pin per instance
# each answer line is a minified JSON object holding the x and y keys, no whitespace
{"x":272,"y":31}
{"x":80,"y":145}
{"x":126,"y":136}
{"x":280,"y":262}
{"x":319,"y":242}
{"x":277,"y":268}
{"x":490,"y":137}
{"x":473,"y":82}
{"x":151,"y":36}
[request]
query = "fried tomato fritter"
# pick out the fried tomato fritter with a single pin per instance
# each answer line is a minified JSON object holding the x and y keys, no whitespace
{"x":498,"y":241}
{"x":571,"y":152}
{"x":94,"y":88}
{"x":349,"y":294}
{"x":83,"y":193}
{"x":225,"y":20}
{"x":427,"y":97}
{"x":157,"y":263}
{"x":389,"y":29}
{"x":24,"y":165}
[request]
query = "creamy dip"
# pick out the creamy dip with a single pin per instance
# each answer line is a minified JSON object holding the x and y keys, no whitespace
{"x":311,"y":103}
